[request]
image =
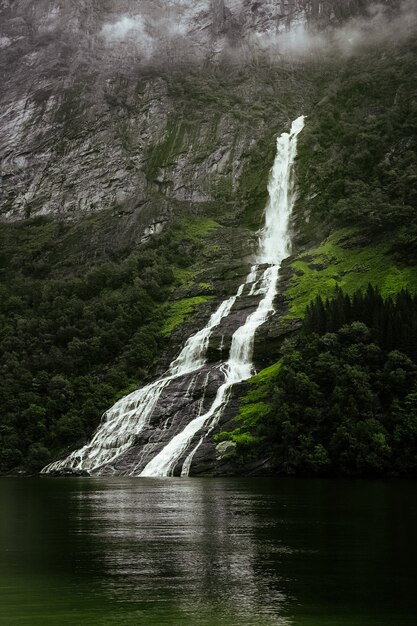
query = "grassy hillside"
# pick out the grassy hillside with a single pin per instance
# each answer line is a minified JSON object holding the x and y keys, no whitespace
{"x":349,"y":260}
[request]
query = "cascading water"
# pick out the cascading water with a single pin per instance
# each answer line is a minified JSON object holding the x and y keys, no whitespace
{"x":273,"y":248}
{"x":130,"y":416}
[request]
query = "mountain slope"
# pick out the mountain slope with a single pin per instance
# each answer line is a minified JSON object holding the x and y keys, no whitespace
{"x":106,"y":146}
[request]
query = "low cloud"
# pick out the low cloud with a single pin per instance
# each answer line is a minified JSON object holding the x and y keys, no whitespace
{"x":150,"y":34}
{"x":122,"y":28}
{"x":379,"y":25}
{"x":181,"y":29}
{"x":130,"y":30}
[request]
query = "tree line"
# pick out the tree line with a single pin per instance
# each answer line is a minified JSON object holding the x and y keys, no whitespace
{"x":344,"y":399}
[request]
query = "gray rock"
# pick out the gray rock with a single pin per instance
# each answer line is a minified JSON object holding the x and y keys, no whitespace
{"x":224,"y":448}
{"x":91,"y":120}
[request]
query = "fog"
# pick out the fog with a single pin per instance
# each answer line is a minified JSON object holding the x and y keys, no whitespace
{"x":210,"y":28}
{"x":129,"y":34}
{"x":380,"y":24}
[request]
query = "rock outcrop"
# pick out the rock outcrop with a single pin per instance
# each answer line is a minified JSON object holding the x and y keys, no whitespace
{"x":94,"y":116}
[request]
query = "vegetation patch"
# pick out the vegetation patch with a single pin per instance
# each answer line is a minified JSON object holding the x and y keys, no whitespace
{"x":199,"y":227}
{"x":357,"y":155}
{"x":77,"y":336}
{"x":254,"y":408}
{"x":343,"y":397}
{"x":340,"y":262}
{"x":179,"y":311}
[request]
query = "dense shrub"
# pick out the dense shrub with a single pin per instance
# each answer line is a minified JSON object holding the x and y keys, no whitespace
{"x":344,"y":398}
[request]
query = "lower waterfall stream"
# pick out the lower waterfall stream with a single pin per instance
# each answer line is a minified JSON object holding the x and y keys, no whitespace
{"x":123,"y":424}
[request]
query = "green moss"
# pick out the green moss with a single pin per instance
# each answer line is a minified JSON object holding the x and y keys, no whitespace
{"x":337,"y":262}
{"x":237,"y":436}
{"x":253,"y":192}
{"x":266,"y":374}
{"x":254,"y":407}
{"x":251,"y":413}
{"x":184,"y":134}
{"x":179,"y":310}
{"x":190,"y":229}
{"x":197,"y":231}
{"x":260,"y":389}
{"x":184,"y":276}
{"x":163,"y":154}
{"x":357,"y":154}
{"x":199,"y":227}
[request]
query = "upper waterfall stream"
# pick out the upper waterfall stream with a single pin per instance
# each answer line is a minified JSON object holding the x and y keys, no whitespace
{"x":123,"y":423}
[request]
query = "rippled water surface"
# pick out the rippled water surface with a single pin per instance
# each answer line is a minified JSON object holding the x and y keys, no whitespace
{"x":232,"y":552}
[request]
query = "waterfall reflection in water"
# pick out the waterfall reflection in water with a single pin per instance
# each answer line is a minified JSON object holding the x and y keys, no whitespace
{"x":207,"y":552}
{"x":188,"y":549}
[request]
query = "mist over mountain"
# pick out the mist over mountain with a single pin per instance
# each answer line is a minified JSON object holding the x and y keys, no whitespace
{"x":62,"y":62}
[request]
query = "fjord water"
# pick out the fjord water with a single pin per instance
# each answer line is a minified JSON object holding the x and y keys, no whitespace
{"x":207,"y":552}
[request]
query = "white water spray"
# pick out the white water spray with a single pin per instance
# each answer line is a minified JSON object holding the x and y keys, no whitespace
{"x":273,"y":248}
{"x":130,"y":415}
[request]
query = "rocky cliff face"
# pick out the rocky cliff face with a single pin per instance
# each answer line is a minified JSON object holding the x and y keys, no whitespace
{"x":95,"y":113}
{"x":89,"y":123}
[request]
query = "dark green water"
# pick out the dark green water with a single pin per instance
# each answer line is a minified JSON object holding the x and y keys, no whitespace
{"x":209,"y":552}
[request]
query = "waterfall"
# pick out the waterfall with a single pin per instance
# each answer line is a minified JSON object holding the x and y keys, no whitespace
{"x":130,"y":416}
{"x":273,"y":248}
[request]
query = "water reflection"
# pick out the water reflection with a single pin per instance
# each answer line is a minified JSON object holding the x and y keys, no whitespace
{"x":207,"y":552}
{"x":188,"y":548}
